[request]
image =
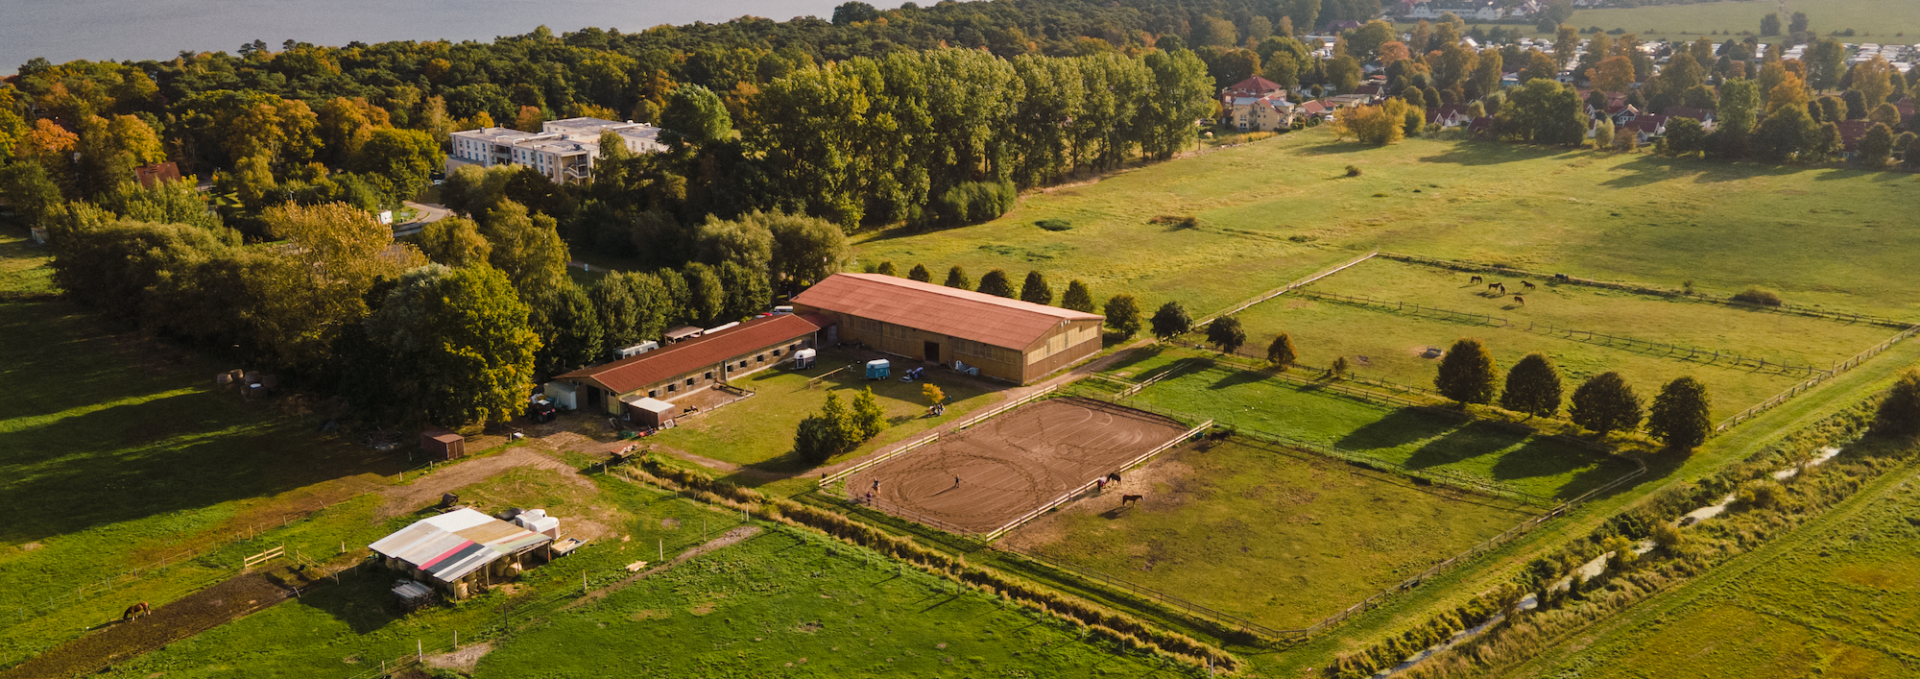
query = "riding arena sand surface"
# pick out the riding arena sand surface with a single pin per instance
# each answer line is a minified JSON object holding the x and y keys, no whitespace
{"x":1013,"y":463}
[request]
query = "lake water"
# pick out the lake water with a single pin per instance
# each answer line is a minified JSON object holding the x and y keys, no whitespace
{"x":64,"y":30}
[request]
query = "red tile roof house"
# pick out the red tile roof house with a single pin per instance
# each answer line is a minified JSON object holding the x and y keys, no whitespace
{"x":1007,"y":339}
{"x":1255,"y":87}
{"x":692,"y":365}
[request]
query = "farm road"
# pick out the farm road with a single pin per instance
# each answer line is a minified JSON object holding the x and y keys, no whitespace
{"x":426,"y":491}
{"x":198,"y":612}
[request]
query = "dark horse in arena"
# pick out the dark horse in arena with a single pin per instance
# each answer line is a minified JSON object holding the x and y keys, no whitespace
{"x":1130,"y":499}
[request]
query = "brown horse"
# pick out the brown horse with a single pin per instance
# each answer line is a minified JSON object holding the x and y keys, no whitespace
{"x":1476,"y":279}
{"x":1522,"y":301}
{"x":136,"y":610}
{"x":1492,"y":287}
{"x":1528,"y":284}
{"x":1130,"y":499}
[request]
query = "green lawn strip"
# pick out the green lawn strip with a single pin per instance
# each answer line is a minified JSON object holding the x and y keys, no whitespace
{"x":1456,"y":586}
{"x":786,"y":603}
{"x":1840,"y":589}
{"x":1279,"y":536}
{"x":1417,"y":438}
{"x":758,"y":431}
{"x":23,"y":266}
{"x":1752,"y":332}
{"x":1385,"y":345}
{"x":1608,"y":216}
{"x":343,"y":629}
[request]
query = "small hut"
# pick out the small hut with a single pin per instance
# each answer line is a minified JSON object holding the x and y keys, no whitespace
{"x":443,"y":444}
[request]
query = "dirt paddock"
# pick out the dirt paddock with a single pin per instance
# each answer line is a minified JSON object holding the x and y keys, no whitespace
{"x":1013,"y":463}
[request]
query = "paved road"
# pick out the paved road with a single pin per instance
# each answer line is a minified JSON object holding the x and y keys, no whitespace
{"x":428,"y":214}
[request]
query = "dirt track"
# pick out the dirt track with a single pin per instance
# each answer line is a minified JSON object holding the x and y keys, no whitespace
{"x":1014,"y":463}
{"x":196,"y":613}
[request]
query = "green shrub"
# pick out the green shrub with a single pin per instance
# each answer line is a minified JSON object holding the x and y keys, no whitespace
{"x":1177,"y":221}
{"x":1353,"y":170}
{"x":1758,"y":296}
{"x":973,"y":203}
{"x":1054,"y":224}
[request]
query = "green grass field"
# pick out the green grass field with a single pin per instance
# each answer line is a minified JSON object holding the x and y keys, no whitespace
{"x":1386,"y":340}
{"x":781,"y":605}
{"x":758,"y":431}
{"x":1880,"y":21}
{"x":1819,"y":236}
{"x":1839,"y":598}
{"x":1416,"y":438}
{"x":342,"y":630}
{"x":1275,"y":535}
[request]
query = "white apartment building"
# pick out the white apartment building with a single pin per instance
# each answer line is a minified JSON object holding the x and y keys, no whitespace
{"x":563,"y":150}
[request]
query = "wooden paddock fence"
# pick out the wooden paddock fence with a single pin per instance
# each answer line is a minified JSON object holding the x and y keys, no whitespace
{"x":836,"y":477}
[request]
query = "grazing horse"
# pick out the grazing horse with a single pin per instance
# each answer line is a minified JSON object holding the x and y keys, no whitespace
{"x":1521,"y":300}
{"x":1130,"y":499}
{"x":1529,"y":284}
{"x":1492,"y":287}
{"x":136,"y":610}
{"x":1476,"y":279}
{"x":1114,"y":477}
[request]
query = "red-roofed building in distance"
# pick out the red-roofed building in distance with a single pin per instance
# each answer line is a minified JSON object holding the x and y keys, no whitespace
{"x":692,"y":365}
{"x":1006,"y":339}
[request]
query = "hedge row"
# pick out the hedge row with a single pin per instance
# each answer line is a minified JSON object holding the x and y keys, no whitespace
{"x":1113,"y":625}
{"x":1679,"y":555}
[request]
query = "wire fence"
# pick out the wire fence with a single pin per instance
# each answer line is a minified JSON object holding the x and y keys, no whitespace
{"x":1276,"y":292}
{"x":1661,"y":349}
{"x":1446,"y":477}
{"x":1816,"y":380}
{"x":1646,"y":290}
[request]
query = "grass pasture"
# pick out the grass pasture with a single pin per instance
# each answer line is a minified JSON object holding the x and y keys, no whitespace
{"x":1274,"y":210}
{"x":1275,"y":535}
{"x":1385,"y":339}
{"x":758,"y":432}
{"x":781,"y":605}
{"x":1838,"y":598}
{"x":1414,"y":437}
{"x":342,"y":630}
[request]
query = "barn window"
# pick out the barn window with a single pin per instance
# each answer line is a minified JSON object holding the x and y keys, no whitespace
{"x":709,"y":374}
{"x":689,"y":381}
{"x":671,"y":388}
{"x":760,"y":359}
{"x":653,"y":393}
{"x":776,"y":353}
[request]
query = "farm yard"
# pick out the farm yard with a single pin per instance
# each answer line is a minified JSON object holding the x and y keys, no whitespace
{"x":780,"y":604}
{"x":756,"y":433}
{"x":1390,"y":319}
{"x":1275,"y":535}
{"x":1418,"y":438}
{"x":1013,"y":463}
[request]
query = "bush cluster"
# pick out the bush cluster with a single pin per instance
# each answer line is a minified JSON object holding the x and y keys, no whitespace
{"x":974,"y":202}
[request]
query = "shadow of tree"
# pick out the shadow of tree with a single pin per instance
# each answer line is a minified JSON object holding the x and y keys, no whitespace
{"x":1475,"y":439}
{"x":1398,"y":428}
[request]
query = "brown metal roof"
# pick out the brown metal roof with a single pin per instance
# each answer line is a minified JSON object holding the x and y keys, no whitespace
{"x":969,"y":315}
{"x":632,"y":373}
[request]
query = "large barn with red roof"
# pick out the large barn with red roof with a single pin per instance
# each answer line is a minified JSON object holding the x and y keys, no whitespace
{"x":1007,"y":339}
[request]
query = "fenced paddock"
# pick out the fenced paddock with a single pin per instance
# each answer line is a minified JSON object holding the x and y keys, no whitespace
{"x":1016,"y":463}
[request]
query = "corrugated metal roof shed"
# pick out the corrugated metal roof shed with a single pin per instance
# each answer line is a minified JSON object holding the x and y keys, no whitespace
{"x":454,"y":544}
{"x":969,"y":315}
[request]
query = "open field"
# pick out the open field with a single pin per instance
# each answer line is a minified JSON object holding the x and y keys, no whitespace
{"x":994,"y":472}
{"x":1281,"y":537}
{"x":1414,"y":437}
{"x":1839,"y":597}
{"x":758,"y":431}
{"x":780,"y":605}
{"x":1880,"y":21}
{"x":1819,"y":236}
{"x":1385,"y":339}
{"x":342,"y":630}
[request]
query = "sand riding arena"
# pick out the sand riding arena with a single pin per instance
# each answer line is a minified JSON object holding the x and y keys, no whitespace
{"x":980,"y":479}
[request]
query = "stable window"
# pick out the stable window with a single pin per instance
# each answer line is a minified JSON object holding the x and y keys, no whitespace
{"x":653,"y":393}
{"x":760,"y":359}
{"x":709,"y":374}
{"x":689,"y":381}
{"x":776,"y":353}
{"x":743,"y":364}
{"x":670,"y":388}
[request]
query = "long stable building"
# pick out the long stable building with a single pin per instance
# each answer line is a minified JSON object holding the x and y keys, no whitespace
{"x":1006,"y":339}
{"x":691,"y":365}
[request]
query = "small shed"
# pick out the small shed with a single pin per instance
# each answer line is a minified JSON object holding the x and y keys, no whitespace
{"x":443,"y":444}
{"x":877,"y":369}
{"x":804,"y":358}
{"x":652,"y":412}
{"x":684,"y":332}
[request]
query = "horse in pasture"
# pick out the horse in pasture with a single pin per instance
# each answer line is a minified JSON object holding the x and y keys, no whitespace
{"x":136,"y":610}
{"x":1476,"y":279}
{"x":1528,"y":284}
{"x":1126,"y":500}
{"x":1522,"y":301}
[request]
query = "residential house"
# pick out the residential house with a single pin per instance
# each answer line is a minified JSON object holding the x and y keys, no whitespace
{"x":563,"y":150}
{"x":1264,"y":114}
{"x":1449,"y":116}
